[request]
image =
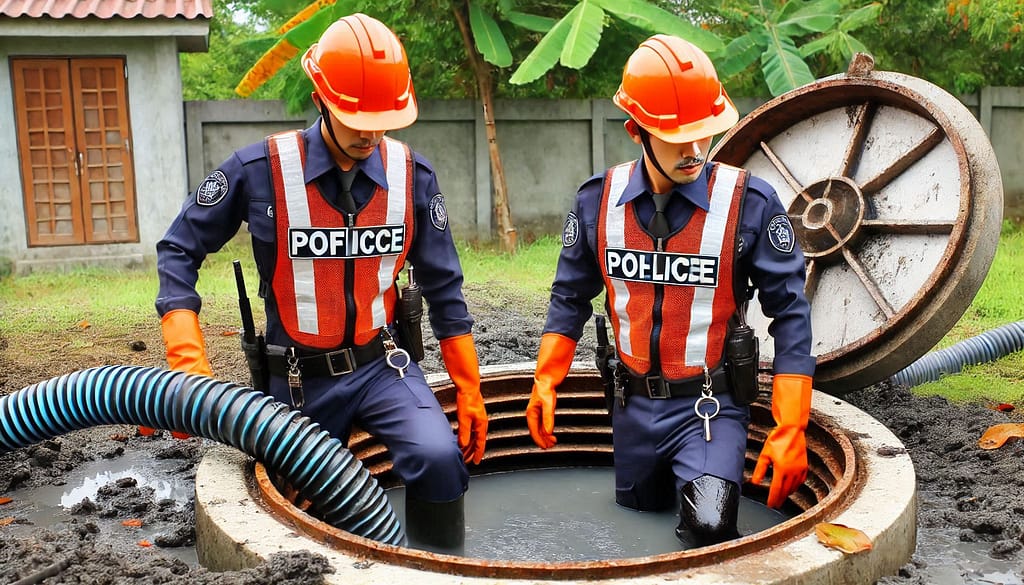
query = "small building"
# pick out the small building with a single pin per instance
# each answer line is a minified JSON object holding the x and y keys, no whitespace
{"x":92,"y":136}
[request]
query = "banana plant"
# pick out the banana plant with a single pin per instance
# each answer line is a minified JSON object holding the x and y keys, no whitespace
{"x":572,"y":40}
{"x":773,"y":35}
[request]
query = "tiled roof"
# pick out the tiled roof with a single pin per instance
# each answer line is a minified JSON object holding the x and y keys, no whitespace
{"x":188,"y":9}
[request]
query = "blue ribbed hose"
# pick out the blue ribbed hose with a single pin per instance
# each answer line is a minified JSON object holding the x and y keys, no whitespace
{"x":322,"y":470}
{"x":988,"y":346}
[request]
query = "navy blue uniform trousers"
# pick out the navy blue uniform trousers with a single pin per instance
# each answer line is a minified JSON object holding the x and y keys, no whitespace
{"x":401,"y":413}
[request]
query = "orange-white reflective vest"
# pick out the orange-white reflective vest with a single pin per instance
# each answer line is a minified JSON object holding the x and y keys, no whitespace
{"x":686,"y":288}
{"x":314,"y":245}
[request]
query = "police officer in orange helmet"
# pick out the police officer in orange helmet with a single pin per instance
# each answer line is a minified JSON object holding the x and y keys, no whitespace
{"x":678,"y":242}
{"x":335,"y":211}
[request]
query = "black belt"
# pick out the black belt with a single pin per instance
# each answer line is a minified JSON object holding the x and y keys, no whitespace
{"x":657,"y":388}
{"x":331,"y":363}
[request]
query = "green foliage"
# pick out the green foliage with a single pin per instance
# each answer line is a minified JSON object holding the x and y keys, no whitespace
{"x":781,"y":37}
{"x":574,"y":39}
{"x":958,"y":45}
{"x":233,"y":48}
{"x":978,"y":44}
{"x":489,"y":40}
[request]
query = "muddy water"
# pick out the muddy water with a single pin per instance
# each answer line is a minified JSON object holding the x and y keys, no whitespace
{"x":568,"y":514}
{"x":51,"y":506}
{"x":950,"y":561}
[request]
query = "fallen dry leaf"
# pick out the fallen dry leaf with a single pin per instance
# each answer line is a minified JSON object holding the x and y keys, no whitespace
{"x":5,"y":501}
{"x":145,"y":543}
{"x":83,"y":324}
{"x":837,"y":536}
{"x":134,"y":522}
{"x":6,"y":521}
{"x":996,"y":435}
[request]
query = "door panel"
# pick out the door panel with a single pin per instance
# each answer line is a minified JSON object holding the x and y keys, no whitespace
{"x":102,"y":134}
{"x":46,"y":142}
{"x":75,"y":144}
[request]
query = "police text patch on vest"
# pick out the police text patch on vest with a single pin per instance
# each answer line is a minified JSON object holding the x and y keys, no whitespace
{"x":662,"y":267}
{"x":355,"y":242}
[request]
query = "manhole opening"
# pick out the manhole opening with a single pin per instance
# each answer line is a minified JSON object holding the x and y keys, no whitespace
{"x":584,"y":442}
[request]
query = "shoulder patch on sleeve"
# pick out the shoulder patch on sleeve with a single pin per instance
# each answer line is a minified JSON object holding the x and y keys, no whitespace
{"x":213,"y":188}
{"x":780,"y":234}
{"x":570,"y":230}
{"x":438,"y":212}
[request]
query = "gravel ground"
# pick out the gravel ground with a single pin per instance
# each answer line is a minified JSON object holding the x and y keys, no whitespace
{"x":969,"y":499}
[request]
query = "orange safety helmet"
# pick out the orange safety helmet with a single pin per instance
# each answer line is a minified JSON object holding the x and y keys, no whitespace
{"x":360,"y":71}
{"x":670,"y":88}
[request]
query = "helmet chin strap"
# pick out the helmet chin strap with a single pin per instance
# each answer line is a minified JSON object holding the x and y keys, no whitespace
{"x":645,"y":138}
{"x":330,"y":128}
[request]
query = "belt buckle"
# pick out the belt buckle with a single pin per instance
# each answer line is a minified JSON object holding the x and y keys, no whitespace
{"x":657,"y":388}
{"x":349,"y":365}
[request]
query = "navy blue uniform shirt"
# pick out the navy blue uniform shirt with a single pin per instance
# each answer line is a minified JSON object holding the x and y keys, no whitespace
{"x":778,"y":276}
{"x":241,"y":190}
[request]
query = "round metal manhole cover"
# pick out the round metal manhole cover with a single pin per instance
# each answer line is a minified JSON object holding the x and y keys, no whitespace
{"x":895,"y":194}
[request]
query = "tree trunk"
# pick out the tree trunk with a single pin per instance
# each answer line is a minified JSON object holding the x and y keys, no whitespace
{"x":482,"y":72}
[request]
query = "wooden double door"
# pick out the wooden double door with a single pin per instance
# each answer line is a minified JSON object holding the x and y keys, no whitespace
{"x":74,"y":141}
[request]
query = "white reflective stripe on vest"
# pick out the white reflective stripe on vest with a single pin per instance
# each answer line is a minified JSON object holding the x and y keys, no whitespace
{"x":615,"y":236}
{"x":397,"y":177}
{"x":710,"y":245}
{"x":298,"y":217}
{"x":298,"y":212}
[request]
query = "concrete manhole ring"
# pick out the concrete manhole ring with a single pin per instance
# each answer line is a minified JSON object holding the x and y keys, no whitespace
{"x":861,"y":477}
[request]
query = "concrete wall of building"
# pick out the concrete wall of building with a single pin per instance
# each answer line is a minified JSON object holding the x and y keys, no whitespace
{"x":157,"y":127}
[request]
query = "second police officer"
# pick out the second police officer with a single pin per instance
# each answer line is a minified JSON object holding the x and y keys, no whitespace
{"x":673,"y":240}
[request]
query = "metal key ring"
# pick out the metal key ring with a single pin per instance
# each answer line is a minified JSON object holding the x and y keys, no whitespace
{"x":710,"y":415}
{"x":390,"y":356}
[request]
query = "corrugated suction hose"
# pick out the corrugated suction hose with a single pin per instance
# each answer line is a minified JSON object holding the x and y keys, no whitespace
{"x":323,"y":471}
{"x":989,"y":346}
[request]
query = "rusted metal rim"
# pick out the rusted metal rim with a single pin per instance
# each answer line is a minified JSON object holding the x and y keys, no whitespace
{"x":584,"y":440}
{"x":825,"y":129}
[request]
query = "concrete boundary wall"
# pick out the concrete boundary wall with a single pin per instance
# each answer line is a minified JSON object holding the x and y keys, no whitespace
{"x":548,"y":148}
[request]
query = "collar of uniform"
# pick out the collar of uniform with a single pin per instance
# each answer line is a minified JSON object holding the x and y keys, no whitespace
{"x":695,"y":192}
{"x":319,"y":160}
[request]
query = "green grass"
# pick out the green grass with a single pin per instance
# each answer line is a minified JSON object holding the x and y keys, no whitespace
{"x":525,"y":276}
{"x":40,"y":303}
{"x":997,"y":303}
{"x":122,"y":300}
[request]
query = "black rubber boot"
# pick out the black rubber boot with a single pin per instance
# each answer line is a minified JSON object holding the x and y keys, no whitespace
{"x":436,"y":526}
{"x":708,"y":509}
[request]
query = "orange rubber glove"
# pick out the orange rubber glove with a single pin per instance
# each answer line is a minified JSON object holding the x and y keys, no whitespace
{"x":785,"y":449}
{"x":459,"y":355}
{"x":553,"y":362}
{"x":186,"y":350}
